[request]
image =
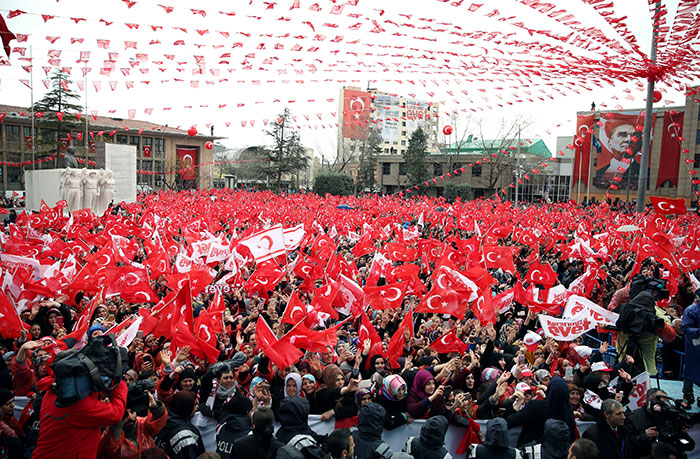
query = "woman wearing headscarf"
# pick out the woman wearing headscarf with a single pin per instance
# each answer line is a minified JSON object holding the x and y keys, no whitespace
{"x":559,"y":407}
{"x":392,"y":396}
{"x":292,"y":385}
{"x":425,"y":398}
{"x":308,"y":387}
{"x":334,"y":399}
{"x":262,"y":444}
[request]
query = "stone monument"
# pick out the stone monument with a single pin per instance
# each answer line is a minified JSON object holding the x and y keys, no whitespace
{"x":121,"y":160}
{"x":106,"y":184}
{"x":69,"y":158}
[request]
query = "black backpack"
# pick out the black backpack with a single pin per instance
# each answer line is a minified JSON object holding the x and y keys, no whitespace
{"x":99,"y":366}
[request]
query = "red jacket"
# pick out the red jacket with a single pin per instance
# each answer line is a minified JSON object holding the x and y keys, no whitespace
{"x":23,"y":377}
{"x":146,"y":428}
{"x":74,"y":431}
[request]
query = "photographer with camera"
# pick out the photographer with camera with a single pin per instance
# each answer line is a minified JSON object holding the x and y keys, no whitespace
{"x":641,"y":323}
{"x":74,"y":431}
{"x":143,"y":419}
{"x":642,"y":425}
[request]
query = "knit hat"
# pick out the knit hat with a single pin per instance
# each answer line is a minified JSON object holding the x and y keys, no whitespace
{"x":93,"y":328}
{"x":187,"y":373}
{"x":5,"y":396}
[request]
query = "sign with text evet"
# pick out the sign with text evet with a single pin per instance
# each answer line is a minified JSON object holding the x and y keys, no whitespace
{"x":600,"y":316}
{"x":566,"y":329}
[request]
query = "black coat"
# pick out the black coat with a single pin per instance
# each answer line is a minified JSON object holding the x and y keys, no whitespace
{"x":395,"y":410}
{"x":252,"y":446}
{"x":609,"y":445}
{"x":430,"y":444}
{"x":495,"y":444}
{"x":180,"y":435}
{"x":635,"y":426}
{"x":368,"y":435}
{"x":531,"y":417}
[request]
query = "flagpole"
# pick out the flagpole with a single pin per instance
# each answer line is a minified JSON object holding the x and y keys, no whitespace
{"x":31,"y":91}
{"x":517,"y":168}
{"x":87,"y":140}
{"x":580,"y":161}
{"x":646,"y":137}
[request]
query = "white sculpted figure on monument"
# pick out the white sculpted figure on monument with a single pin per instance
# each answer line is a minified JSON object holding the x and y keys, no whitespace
{"x":63,"y":183}
{"x":73,"y":187}
{"x":106,"y":183}
{"x":90,"y":189}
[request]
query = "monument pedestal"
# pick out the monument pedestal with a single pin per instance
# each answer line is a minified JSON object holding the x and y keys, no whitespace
{"x":42,"y":184}
{"x":121,"y":159}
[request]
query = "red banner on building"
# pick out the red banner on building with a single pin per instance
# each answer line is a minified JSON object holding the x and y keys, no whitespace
{"x":356,"y":109}
{"x":670,"y":149}
{"x":147,"y":151}
{"x":187,"y":158}
{"x":582,"y":148}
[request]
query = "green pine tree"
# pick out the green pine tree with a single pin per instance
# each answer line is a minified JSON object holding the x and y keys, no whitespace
{"x":286,"y":155}
{"x":414,"y":157}
{"x":60,"y":99}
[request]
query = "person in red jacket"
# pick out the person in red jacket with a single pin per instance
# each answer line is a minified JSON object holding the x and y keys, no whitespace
{"x":74,"y":431}
{"x":134,"y":434}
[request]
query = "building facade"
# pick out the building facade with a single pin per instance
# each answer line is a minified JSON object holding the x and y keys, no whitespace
{"x":487,"y":169}
{"x":674,"y":159}
{"x":162,"y":152}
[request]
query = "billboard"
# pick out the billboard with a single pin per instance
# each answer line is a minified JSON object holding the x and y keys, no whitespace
{"x":619,"y":150}
{"x":356,"y":108}
{"x":417,"y":116}
{"x":388,"y":114}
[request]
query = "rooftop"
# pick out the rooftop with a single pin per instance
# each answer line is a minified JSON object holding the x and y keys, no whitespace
{"x":107,"y":123}
{"x":535,"y":147}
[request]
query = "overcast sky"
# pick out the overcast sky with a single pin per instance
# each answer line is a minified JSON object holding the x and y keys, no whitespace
{"x":398,"y":47}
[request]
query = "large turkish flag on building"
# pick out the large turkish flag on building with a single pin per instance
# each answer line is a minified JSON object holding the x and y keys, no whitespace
{"x":582,"y":147}
{"x":356,"y":109}
{"x":186,"y":159}
{"x":670,"y":149}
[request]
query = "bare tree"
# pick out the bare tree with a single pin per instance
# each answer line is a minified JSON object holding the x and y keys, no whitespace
{"x":500,"y":154}
{"x":451,"y":145}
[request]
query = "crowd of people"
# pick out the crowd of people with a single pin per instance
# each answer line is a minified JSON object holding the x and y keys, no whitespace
{"x":366,"y":367}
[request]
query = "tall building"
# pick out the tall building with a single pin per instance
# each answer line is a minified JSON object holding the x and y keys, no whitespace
{"x":608,"y":145}
{"x":162,"y":152}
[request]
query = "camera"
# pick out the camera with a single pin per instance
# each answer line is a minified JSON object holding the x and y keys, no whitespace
{"x":655,"y":286}
{"x":137,"y":396}
{"x":673,"y":420}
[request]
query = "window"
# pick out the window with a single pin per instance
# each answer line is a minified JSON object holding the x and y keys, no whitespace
{"x":133,"y":140}
{"x":146,"y":142}
{"x":476,"y":170}
{"x":697,"y":138}
{"x":403,"y":142}
{"x":386,"y":150}
{"x":403,"y":123}
{"x":696,"y":158}
{"x":403,"y":132}
{"x":121,"y":138}
{"x":437,"y":168}
{"x":47,"y":135}
{"x":159,"y":147}
{"x":12,"y":133}
{"x":402,"y":168}
{"x":386,"y":168}
{"x":147,"y":165}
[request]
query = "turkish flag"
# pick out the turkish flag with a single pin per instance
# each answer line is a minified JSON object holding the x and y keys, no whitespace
{"x":503,"y":300}
{"x":668,"y":206}
{"x":499,"y":257}
{"x":582,"y":147}
{"x":295,"y":310}
{"x":8,"y":36}
{"x":541,"y":274}
{"x":356,"y":113}
{"x":387,"y":296}
{"x":443,"y":301}
{"x":400,"y":252}
{"x":670,"y":149}
{"x":282,"y":356}
{"x":130,"y":284}
{"x":448,"y":343}
{"x":367,"y":331}
{"x":10,"y":323}
{"x":449,"y":278}
{"x":83,"y":324}
{"x":323,"y":247}
{"x":396,"y":344}
{"x":264,"y":279}
{"x":158,"y":263}
{"x":300,"y":336}
{"x":350,"y":297}
{"x":266,"y":244}
{"x":483,"y":308}
{"x":378,"y":268}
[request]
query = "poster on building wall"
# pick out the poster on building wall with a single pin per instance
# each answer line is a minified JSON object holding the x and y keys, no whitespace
{"x":356,"y":109}
{"x":619,"y":150}
{"x":387,"y":116}
{"x":417,"y":116}
{"x":186,"y":160}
